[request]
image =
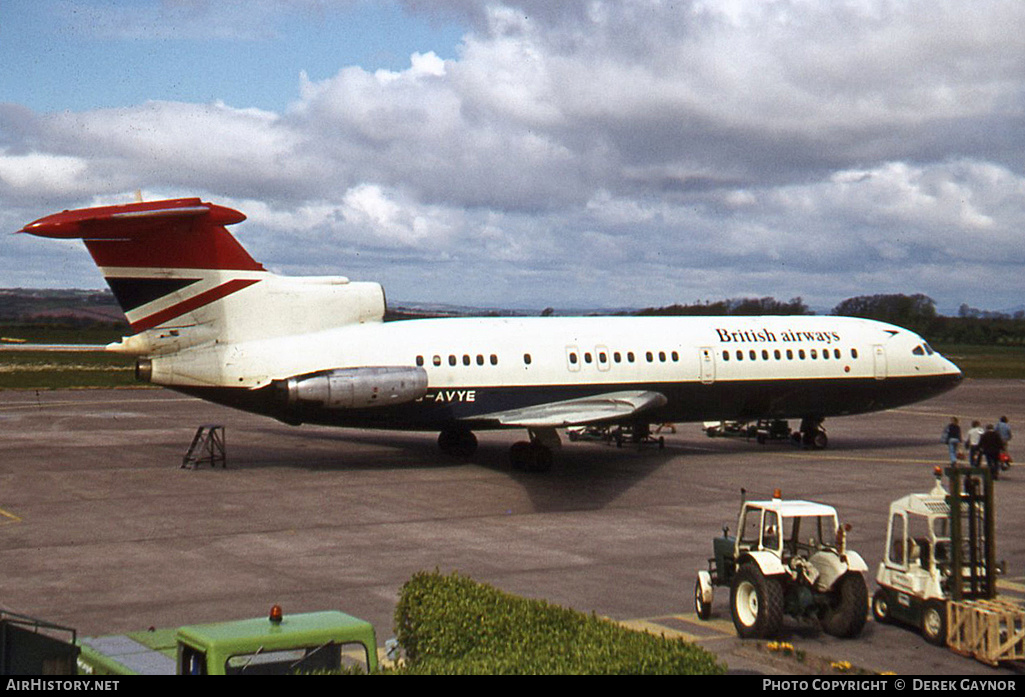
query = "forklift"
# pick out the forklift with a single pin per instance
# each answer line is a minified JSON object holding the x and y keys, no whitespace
{"x":938,"y":572}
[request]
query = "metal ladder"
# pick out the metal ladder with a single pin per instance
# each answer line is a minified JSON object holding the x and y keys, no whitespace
{"x":207,"y":447}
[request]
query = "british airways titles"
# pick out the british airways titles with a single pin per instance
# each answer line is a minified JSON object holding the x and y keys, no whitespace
{"x":765,"y":336}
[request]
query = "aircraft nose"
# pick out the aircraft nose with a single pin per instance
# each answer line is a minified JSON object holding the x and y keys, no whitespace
{"x":952,"y":372}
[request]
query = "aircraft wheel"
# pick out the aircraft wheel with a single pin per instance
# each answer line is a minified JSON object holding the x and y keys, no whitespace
{"x":519,"y":455}
{"x":531,"y":456}
{"x":457,"y":443}
{"x":541,"y":458}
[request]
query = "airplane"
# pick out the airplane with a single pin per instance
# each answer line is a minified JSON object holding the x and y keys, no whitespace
{"x":210,"y":321}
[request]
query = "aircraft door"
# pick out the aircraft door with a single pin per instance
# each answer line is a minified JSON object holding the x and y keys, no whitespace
{"x":706,"y":357}
{"x":879,"y":361}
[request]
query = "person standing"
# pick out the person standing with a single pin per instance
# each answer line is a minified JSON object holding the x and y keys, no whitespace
{"x":1003,"y":429}
{"x":972,"y":443}
{"x":952,"y":437}
{"x":990,"y":445}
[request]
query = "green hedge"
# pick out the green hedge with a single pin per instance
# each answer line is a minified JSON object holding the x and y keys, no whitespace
{"x":453,"y":625}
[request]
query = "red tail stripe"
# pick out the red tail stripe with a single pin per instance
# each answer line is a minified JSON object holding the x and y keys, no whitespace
{"x":172,"y":244}
{"x":192,"y":303}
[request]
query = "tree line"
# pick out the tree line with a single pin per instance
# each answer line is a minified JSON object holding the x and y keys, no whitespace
{"x":915,"y":312}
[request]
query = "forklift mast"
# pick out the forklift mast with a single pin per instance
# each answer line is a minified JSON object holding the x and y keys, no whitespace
{"x":972,"y":533}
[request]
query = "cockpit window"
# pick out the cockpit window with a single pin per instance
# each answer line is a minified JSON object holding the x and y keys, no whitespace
{"x":918,"y":351}
{"x":928,"y":349}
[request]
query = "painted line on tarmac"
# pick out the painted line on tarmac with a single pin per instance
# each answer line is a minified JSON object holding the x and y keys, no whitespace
{"x":44,"y":405}
{"x":706,"y":630}
{"x":1006,"y":584}
{"x":847,"y":458}
{"x":10,"y":518}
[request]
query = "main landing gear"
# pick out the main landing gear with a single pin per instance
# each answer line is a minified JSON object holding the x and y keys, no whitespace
{"x":812,"y":435}
{"x":458,"y":442}
{"x":536,"y":454}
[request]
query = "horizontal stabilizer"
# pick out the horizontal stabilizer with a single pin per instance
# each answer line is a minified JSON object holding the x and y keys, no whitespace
{"x":602,"y":408}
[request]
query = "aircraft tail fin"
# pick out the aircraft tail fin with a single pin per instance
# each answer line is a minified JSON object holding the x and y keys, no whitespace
{"x":161,"y":259}
{"x":183,"y":280}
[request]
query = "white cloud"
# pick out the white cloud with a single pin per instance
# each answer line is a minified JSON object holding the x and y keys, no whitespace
{"x":609,"y":153}
{"x":41,"y":172}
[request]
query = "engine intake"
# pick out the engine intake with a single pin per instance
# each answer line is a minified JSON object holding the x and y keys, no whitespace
{"x":354,"y":388}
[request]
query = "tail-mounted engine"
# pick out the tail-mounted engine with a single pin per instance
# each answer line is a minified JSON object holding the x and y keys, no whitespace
{"x":352,"y":388}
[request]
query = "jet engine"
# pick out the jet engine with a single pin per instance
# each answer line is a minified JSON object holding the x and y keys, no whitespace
{"x":353,"y":388}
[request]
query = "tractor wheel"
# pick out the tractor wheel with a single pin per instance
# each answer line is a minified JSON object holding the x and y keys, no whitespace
{"x":846,"y":614}
{"x":881,"y":607}
{"x":934,"y":623}
{"x":703,"y":609}
{"x":756,"y":603}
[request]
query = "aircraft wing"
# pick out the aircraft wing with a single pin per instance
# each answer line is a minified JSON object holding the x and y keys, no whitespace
{"x":608,"y":407}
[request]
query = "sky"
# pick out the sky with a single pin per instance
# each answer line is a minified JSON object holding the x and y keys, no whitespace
{"x":526,"y":154}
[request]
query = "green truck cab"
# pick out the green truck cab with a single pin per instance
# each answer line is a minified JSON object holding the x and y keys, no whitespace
{"x":313,"y":642}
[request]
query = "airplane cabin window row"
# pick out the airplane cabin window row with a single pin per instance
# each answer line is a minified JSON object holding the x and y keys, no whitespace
{"x":617,"y":357}
{"x":777,"y":354}
{"x":602,"y":358}
{"x":466,"y":359}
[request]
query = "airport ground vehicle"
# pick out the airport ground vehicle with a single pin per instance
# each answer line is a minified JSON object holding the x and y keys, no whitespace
{"x":790,"y":558}
{"x":278,"y":644}
{"x":810,"y":435}
{"x":928,"y":550}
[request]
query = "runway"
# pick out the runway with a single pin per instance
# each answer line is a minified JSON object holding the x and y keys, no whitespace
{"x":101,"y":530}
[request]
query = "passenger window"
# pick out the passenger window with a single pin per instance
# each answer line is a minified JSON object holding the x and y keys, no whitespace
{"x":777,"y":354}
{"x":854,"y":353}
{"x":740,"y":355}
{"x":800,"y":354}
{"x":526,"y":358}
{"x":726,"y":355}
{"x":814,"y":354}
{"x":466,"y":359}
{"x":675,"y":356}
{"x":419,"y":360}
{"x":451,"y":359}
{"x":630,"y":356}
{"x":436,"y":360}
{"x":649,"y":356}
{"x":752,"y":355}
{"x":480,"y":359}
{"x":587,"y":357}
{"x":836,"y":354}
{"x":765,"y":355}
{"x":617,"y":357}
{"x":790,"y":354}
{"x":573,"y":358}
{"x":662,"y":356}
{"x":494,"y":359}
{"x":603,"y":357}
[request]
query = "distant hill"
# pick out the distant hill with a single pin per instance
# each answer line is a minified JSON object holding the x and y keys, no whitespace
{"x":74,"y":307}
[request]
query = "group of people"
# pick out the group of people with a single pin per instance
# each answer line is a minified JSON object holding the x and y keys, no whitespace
{"x":989,"y":442}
